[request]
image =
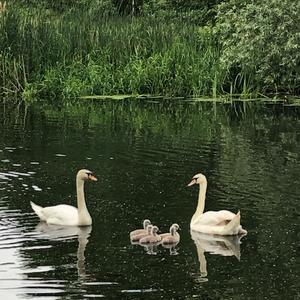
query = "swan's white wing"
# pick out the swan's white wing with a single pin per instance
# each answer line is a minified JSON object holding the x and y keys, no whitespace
{"x":216,"y":223}
{"x":215,"y":217}
{"x":61,"y":214}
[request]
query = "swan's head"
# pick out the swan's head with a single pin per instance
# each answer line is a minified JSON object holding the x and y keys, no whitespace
{"x":86,"y":175}
{"x":149,"y":229}
{"x":198,"y":179}
{"x":146,"y":222}
{"x":154,"y":230}
{"x":174,"y":227}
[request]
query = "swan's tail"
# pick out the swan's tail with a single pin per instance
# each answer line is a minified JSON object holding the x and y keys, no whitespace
{"x":233,"y":226}
{"x":38,"y":210}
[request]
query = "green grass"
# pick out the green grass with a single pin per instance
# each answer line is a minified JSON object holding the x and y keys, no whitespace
{"x":62,"y":58}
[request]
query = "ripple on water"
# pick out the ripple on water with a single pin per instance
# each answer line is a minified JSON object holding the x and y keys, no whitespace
{"x":19,"y":173}
{"x":150,"y":290}
{"x":93,"y":296}
{"x":99,"y":283}
{"x":36,"y":188}
{"x":17,"y":237}
{"x":17,"y":273}
{"x":5,"y":160}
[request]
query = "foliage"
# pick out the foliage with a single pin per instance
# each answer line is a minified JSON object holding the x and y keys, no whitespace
{"x":261,"y":41}
{"x":56,"y":5}
{"x":69,"y":58}
{"x":196,"y":12}
{"x":170,"y":47}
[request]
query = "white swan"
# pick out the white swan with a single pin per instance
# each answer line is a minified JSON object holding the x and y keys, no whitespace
{"x":221,"y":222}
{"x":68,"y":215}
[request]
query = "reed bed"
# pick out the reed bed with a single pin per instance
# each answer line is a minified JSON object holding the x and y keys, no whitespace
{"x":61,"y":58}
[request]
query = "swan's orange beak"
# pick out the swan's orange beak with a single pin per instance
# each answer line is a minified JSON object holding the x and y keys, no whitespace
{"x":92,"y":177}
{"x":192,"y":182}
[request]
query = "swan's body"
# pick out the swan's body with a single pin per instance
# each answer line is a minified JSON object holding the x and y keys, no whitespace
{"x":137,"y":237}
{"x":152,"y":238}
{"x":146,"y":222}
{"x":221,"y":222}
{"x":68,"y":215}
{"x":172,"y":237}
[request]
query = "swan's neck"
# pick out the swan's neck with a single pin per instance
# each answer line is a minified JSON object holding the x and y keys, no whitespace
{"x":154,"y":233}
{"x":84,"y":217}
{"x":201,"y":202}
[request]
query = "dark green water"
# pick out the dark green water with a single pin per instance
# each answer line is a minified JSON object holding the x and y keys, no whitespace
{"x":144,"y":154}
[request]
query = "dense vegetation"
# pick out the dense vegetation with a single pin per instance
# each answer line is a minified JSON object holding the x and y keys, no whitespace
{"x":53,"y":50}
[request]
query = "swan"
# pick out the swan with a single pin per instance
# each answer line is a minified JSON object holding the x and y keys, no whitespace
{"x":68,"y":215}
{"x":153,"y":238}
{"x":171,"y":237}
{"x":137,"y":237}
{"x":146,"y":223}
{"x":221,"y":222}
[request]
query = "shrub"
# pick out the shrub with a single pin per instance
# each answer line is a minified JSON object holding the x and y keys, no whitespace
{"x":261,"y":42}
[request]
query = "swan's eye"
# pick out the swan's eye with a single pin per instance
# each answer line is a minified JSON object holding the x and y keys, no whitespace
{"x":91,"y":176}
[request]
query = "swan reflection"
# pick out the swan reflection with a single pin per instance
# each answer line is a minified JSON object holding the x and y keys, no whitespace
{"x":215,"y":244}
{"x":59,"y":233}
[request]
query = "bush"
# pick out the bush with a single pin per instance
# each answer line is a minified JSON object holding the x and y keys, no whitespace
{"x":261,"y":42}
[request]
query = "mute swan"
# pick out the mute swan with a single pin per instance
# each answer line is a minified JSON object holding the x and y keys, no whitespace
{"x":146,"y":222}
{"x":221,"y":222}
{"x":172,"y":237}
{"x":153,"y":238}
{"x":137,"y":237}
{"x":68,"y":215}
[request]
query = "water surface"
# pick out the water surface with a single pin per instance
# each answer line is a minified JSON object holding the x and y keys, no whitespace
{"x":144,"y":154}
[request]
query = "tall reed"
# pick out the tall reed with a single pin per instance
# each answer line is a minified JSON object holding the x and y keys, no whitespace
{"x":47,"y":56}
